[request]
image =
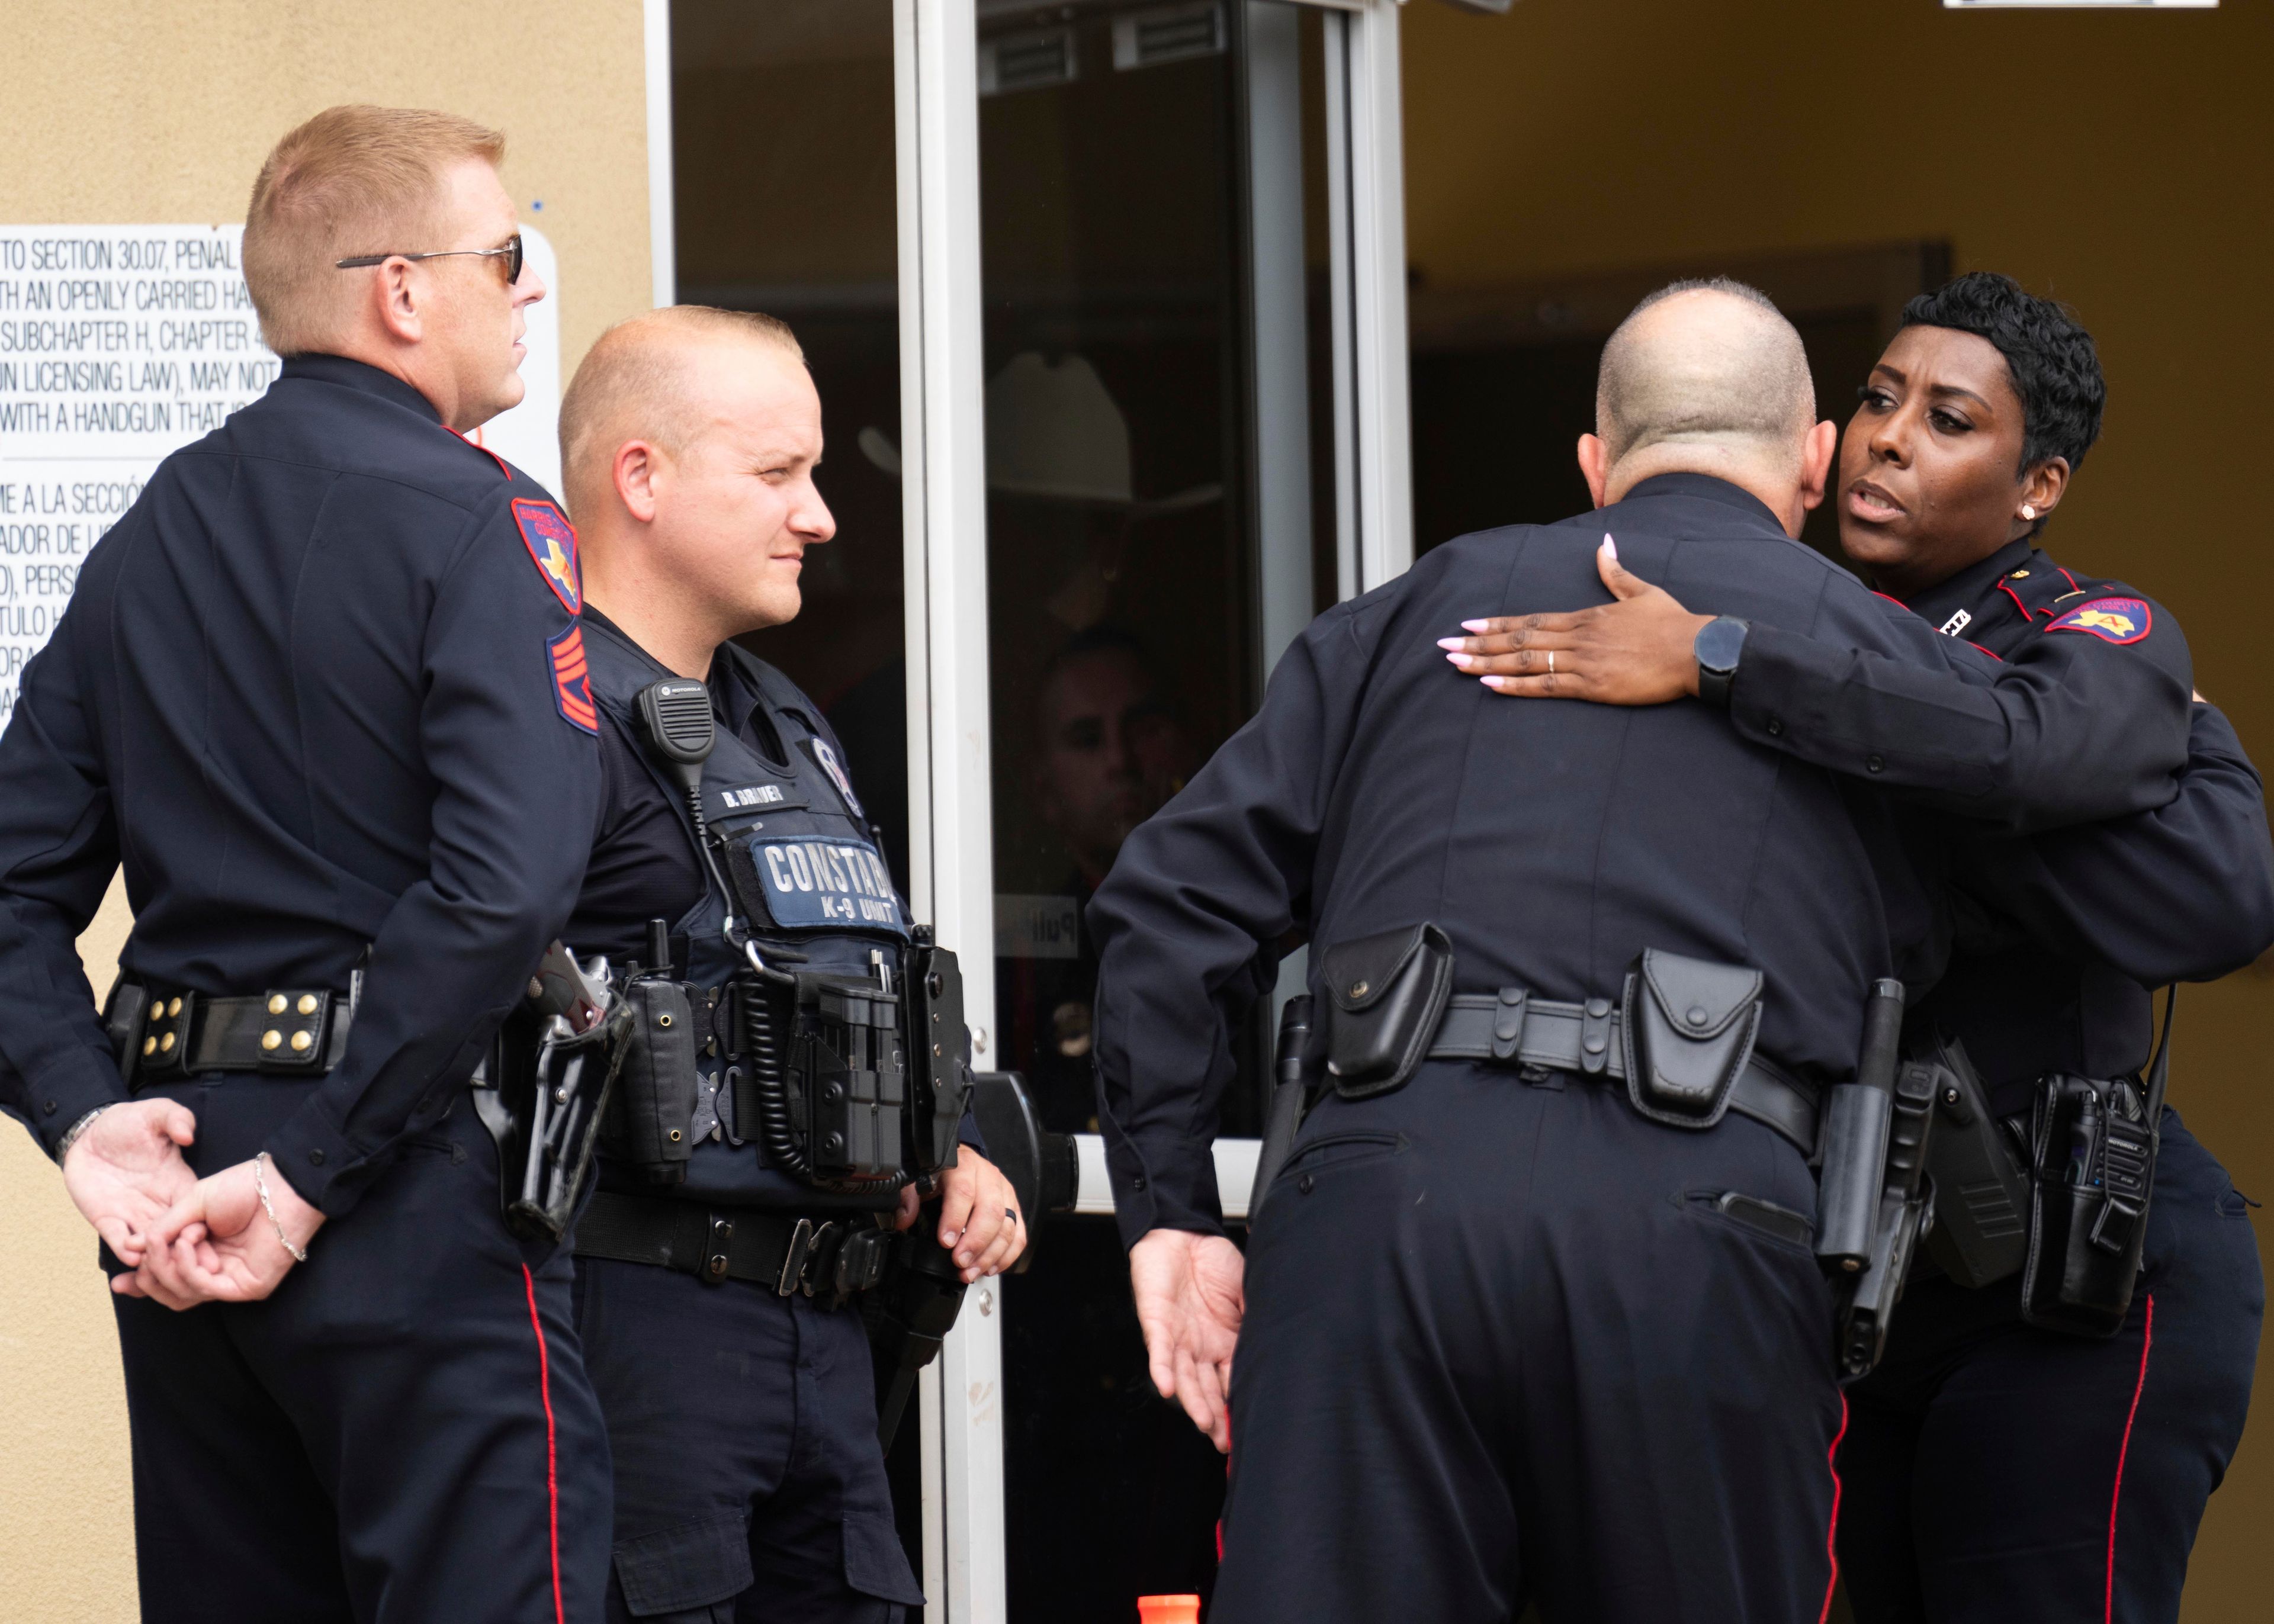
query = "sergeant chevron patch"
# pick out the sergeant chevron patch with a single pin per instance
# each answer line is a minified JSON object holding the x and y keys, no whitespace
{"x":572,"y":681}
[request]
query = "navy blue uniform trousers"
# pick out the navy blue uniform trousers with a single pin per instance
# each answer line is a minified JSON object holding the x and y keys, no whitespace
{"x":1997,"y":1472}
{"x":401,"y":1434}
{"x":1506,"y":1342}
{"x":749,"y":1483}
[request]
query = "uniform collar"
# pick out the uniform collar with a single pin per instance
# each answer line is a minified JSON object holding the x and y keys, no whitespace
{"x":735,"y":699}
{"x":362,"y":377}
{"x":1708,"y":487}
{"x":1970,"y":586}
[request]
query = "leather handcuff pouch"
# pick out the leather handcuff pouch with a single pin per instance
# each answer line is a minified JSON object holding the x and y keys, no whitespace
{"x":1688,"y":1026}
{"x":1385,"y":995}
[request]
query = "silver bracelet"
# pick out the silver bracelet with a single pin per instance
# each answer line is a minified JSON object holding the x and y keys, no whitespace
{"x":261,"y":1184}
{"x":72,"y":1134}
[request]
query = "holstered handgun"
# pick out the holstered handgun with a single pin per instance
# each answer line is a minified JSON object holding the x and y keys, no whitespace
{"x":543,"y":1089}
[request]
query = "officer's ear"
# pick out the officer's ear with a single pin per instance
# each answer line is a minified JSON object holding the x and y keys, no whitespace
{"x":637,"y":470}
{"x":1815,"y":455}
{"x":393,"y":292}
{"x":2041,"y":488}
{"x":1595,"y":466}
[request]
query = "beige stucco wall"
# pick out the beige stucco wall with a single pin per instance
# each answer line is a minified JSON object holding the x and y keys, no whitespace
{"x":161,"y":111}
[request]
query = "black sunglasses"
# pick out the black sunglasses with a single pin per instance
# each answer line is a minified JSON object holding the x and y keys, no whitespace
{"x":511,"y":253}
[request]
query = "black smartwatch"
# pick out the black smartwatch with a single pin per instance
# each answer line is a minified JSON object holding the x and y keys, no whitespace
{"x":1719,"y":644}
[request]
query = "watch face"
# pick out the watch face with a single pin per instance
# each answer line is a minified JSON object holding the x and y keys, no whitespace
{"x":1720,"y":642}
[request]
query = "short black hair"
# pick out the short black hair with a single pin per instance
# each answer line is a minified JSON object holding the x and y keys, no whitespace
{"x":2049,"y":356}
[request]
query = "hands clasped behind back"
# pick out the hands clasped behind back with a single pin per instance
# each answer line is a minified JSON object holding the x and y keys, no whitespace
{"x":220,"y":1243}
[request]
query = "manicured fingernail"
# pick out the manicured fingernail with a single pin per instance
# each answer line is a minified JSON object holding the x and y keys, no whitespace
{"x":1461,"y":660}
{"x":1475,"y":626}
{"x":1610,"y":546}
{"x":1491,"y":682}
{"x":1452,"y":643}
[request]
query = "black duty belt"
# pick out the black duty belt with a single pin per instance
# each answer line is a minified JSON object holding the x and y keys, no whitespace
{"x":293,"y":1030}
{"x":831,"y":1256}
{"x":1511,"y":1028}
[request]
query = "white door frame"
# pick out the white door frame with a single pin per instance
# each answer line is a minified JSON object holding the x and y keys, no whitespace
{"x":944,"y":456}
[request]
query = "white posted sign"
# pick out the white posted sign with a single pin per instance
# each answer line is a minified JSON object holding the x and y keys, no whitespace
{"x":119,"y":344}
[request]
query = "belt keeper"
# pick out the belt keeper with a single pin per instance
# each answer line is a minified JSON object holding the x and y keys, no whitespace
{"x":1507,"y":1023}
{"x":721,"y":1232}
{"x":295,"y":1027}
{"x":1595,"y":1036}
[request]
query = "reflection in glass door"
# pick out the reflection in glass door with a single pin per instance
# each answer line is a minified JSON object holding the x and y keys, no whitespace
{"x":1161,"y":512}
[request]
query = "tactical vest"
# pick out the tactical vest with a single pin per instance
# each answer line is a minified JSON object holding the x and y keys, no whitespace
{"x":844,"y":984}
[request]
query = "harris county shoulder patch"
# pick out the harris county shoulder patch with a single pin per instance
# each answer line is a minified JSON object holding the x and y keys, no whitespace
{"x":2111,"y":619}
{"x":572,"y":680}
{"x":551,"y":543}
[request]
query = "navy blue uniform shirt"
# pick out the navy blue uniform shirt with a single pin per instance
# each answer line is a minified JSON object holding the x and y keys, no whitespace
{"x":2060,"y":936}
{"x":320,"y":689}
{"x":1553,"y":840}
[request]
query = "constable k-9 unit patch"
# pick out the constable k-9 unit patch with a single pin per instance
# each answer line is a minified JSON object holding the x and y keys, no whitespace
{"x":821,"y":881}
{"x":552,"y":542}
{"x":572,"y":681}
{"x":2111,"y":619}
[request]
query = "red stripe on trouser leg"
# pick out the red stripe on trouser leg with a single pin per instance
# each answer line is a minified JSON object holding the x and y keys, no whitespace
{"x":1832,"y":1532}
{"x":552,"y":1441}
{"x":2147,"y":1341}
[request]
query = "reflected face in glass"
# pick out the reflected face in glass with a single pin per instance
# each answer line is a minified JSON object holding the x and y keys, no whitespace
{"x":736,"y":507}
{"x":1111,"y":754}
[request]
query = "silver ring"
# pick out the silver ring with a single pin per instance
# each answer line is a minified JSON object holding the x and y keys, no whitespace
{"x":1551,"y":662}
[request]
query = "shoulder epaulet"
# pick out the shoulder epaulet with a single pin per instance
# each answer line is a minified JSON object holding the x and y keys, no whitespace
{"x":2039,"y":587}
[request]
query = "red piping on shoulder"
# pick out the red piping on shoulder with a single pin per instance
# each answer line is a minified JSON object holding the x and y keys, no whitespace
{"x":485,"y":450}
{"x":1992,"y":653}
{"x":2016,"y":597}
{"x":2147,"y":1341}
{"x":2070,"y":579}
{"x":1898,"y":602}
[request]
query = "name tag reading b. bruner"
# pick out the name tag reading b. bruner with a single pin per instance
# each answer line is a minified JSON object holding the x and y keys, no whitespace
{"x":821,"y":883}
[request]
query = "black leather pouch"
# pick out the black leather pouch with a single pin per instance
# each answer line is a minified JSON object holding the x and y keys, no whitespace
{"x":655,"y":1095}
{"x":2092,"y":1165}
{"x":1688,"y":1025}
{"x":1385,"y":996}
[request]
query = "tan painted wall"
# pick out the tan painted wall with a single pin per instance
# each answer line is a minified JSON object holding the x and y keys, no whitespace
{"x":161,"y":111}
{"x":2117,"y":159}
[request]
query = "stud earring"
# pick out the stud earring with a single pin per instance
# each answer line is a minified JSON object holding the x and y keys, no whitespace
{"x":2029,"y":511}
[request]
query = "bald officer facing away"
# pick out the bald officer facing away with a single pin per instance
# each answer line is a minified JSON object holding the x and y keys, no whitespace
{"x":1530,"y":1311}
{"x":320,"y":693}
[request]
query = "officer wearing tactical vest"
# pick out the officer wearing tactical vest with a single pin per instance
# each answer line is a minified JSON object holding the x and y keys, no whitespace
{"x":754,"y":1170}
{"x":1531,"y":1312}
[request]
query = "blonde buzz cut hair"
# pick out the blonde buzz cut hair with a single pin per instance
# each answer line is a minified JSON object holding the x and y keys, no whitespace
{"x":352,"y":180}
{"x":633,"y":384}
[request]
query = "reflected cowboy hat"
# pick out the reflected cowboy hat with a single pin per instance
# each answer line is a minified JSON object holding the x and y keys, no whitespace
{"x":1054,"y":434}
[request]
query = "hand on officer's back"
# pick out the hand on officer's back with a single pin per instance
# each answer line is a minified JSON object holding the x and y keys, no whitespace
{"x":1190,"y":1296}
{"x":1634,"y":650}
{"x":217,"y":1243}
{"x":126,"y":1169}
